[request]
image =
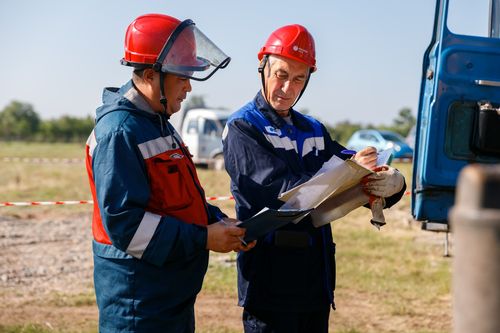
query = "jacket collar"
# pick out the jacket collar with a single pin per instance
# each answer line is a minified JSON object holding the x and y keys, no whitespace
{"x":267,"y":110}
{"x":133,"y":95}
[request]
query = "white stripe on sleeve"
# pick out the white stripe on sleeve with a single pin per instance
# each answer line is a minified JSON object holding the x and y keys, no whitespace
{"x":143,"y":235}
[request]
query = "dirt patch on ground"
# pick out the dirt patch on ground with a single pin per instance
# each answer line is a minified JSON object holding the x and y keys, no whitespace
{"x":42,"y":256}
{"x":46,"y":279}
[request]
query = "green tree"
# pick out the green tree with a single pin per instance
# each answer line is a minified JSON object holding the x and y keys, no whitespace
{"x":66,"y":129}
{"x":18,"y":121}
{"x":195,"y":102}
{"x":403,"y":123}
{"x":343,"y":130}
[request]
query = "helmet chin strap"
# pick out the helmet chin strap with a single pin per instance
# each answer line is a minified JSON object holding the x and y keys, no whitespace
{"x":262,"y":65}
{"x":163,"y":101}
{"x":261,"y":71}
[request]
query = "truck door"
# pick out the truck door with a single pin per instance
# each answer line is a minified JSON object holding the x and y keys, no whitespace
{"x":190,"y":135}
{"x":212,"y":138}
{"x":458,"y":119}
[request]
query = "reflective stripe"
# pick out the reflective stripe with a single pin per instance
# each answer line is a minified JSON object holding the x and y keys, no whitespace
{"x":310,"y":143}
{"x":284,"y":142}
{"x":91,"y":142}
{"x":143,"y":235}
{"x":135,"y":98}
{"x":157,"y":146}
{"x":224,"y":132}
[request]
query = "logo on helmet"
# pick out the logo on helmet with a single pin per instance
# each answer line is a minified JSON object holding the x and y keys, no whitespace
{"x":300,"y":50}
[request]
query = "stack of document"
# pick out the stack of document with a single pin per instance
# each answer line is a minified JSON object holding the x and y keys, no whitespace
{"x":334,"y":191}
{"x":268,"y":220}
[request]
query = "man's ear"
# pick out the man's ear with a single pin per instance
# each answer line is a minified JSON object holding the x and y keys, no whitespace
{"x":149,"y":76}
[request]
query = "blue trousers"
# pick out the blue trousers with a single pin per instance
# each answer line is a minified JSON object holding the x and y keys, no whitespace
{"x":264,"y":321}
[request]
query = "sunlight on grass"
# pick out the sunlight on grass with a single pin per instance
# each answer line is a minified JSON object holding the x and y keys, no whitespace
{"x":37,"y":328}
{"x":72,"y":300}
{"x":221,"y":275}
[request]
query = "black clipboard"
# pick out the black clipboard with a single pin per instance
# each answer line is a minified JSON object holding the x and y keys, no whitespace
{"x":268,"y":220}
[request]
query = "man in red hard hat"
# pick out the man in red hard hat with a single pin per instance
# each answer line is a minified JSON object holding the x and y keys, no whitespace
{"x":286,"y":283}
{"x":152,"y":226}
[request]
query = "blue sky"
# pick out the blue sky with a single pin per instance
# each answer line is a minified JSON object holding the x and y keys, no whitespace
{"x":58,"y":55}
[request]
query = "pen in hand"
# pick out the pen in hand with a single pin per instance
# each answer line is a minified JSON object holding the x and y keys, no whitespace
{"x":230,"y":224}
{"x":348,"y":152}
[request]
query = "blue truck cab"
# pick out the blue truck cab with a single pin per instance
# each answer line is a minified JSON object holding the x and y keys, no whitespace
{"x":458,"y":121}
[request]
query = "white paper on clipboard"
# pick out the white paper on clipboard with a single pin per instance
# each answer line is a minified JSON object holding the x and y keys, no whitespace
{"x":333,"y":191}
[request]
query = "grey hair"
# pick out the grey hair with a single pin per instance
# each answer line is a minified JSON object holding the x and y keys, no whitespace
{"x":270,"y":62}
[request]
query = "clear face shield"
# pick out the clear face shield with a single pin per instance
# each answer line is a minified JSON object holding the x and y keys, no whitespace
{"x":189,"y":53}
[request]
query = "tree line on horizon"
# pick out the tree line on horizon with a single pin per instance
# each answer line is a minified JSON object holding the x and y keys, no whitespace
{"x":20,"y":122}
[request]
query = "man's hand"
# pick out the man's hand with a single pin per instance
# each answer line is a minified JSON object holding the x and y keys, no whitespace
{"x":367,"y":157}
{"x":386,"y":181}
{"x":225,"y":236}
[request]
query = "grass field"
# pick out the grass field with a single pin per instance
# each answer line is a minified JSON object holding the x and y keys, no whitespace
{"x":393,"y":280}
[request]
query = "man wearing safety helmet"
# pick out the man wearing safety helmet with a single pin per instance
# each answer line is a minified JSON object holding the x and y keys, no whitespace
{"x":152,"y":226}
{"x":286,"y":283}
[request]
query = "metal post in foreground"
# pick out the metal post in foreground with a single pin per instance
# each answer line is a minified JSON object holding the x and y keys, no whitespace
{"x":475,"y":222}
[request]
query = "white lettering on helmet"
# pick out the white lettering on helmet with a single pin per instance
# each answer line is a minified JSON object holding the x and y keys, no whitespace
{"x":298,"y":49}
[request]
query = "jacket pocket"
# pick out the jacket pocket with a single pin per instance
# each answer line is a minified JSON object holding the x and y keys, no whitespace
{"x":170,"y":188}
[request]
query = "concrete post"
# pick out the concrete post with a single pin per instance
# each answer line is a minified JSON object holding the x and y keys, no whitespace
{"x":475,"y":223}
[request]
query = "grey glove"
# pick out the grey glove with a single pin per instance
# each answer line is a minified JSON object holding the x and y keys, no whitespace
{"x":377,"y":206}
{"x":384,"y":183}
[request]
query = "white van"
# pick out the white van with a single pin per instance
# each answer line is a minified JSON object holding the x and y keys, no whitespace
{"x":201,"y":130}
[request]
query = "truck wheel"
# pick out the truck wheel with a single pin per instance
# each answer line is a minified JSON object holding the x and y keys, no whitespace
{"x":218,"y":162}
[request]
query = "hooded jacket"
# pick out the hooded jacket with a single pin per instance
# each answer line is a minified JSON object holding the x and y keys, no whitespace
{"x":149,"y":220}
{"x":293,"y":267}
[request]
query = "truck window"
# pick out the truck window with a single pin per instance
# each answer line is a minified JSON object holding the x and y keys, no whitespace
{"x":466,"y":17}
{"x":192,"y":127}
{"x":210,"y":128}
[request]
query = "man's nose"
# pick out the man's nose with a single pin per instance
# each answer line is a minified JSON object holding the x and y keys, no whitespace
{"x":286,"y":85}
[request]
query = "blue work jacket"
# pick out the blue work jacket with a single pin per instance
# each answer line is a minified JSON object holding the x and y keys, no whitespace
{"x":292,"y":268}
{"x":150,"y":218}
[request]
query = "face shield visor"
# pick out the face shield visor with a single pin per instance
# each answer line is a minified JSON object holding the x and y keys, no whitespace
{"x":189,"y":53}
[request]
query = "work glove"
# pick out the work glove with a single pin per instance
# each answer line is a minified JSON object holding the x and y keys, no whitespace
{"x":386,"y":181}
{"x":377,"y":207}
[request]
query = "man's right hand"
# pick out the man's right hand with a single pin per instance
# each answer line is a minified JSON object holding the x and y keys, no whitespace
{"x":367,"y":157}
{"x":225,"y":236}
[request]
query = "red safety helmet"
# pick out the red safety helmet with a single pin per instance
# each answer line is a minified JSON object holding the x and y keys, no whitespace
{"x":293,"y":42}
{"x":146,"y":36}
{"x":170,"y":46}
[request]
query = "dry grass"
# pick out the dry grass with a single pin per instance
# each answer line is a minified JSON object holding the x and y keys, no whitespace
{"x":393,"y":280}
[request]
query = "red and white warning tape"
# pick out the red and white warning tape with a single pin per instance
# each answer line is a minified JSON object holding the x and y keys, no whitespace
{"x":78,"y":202}
{"x":41,"y":160}
{"x":45,"y":203}
{"x":218,"y":198}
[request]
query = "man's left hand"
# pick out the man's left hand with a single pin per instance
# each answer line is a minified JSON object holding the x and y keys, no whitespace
{"x":386,"y":181}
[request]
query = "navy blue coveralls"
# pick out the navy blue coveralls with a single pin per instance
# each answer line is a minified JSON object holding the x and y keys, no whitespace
{"x":290,"y":273}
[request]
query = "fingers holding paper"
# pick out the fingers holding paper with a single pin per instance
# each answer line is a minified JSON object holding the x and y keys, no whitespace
{"x":242,"y":246}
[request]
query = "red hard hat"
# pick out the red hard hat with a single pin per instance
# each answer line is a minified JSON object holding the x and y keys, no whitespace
{"x":146,"y":36}
{"x":168,"y":45}
{"x":293,"y":42}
